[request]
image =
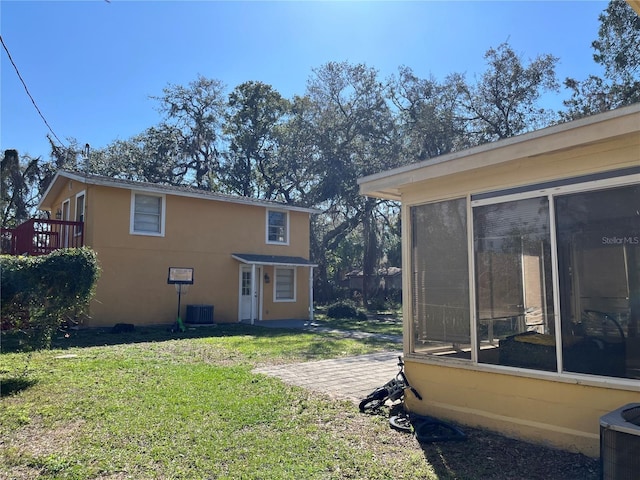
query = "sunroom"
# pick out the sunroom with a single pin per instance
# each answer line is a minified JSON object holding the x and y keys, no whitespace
{"x":522,"y":302}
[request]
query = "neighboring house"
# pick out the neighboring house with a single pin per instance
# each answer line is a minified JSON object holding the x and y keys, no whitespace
{"x":249,"y":257}
{"x":522,"y":309}
{"x":388,"y":279}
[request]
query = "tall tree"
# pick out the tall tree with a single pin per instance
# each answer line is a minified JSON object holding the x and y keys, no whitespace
{"x":255,"y":110}
{"x":197,"y":113}
{"x":617,"y":49}
{"x":299,"y":155}
{"x":153,"y":156}
{"x":19,"y":179}
{"x":504,"y":101}
{"x":355,"y":135}
{"x":426,"y":114}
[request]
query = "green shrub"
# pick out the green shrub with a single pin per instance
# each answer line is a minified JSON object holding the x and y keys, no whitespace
{"x":38,"y":292}
{"x":345,"y":309}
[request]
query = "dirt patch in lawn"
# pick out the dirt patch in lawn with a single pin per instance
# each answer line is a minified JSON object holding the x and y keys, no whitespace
{"x":482,"y":455}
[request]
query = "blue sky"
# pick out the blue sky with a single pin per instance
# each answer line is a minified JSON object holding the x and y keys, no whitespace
{"x":92,"y":66}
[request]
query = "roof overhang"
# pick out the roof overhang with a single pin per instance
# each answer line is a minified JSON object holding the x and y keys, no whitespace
{"x":274,"y":260}
{"x":597,"y":128}
{"x":56,"y":186}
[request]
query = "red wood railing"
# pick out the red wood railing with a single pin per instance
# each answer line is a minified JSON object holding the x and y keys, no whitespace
{"x":42,"y":236}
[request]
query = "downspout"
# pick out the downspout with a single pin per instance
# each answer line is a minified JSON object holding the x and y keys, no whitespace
{"x":311,"y":294}
{"x":253,"y":293}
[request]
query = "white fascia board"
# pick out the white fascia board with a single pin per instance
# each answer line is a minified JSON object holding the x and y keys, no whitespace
{"x":544,"y":141}
{"x":167,"y":190}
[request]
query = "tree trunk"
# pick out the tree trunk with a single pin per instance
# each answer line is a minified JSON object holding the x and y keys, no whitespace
{"x":370,"y":259}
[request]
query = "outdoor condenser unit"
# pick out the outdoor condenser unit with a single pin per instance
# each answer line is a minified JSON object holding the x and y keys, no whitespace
{"x":199,"y":313}
{"x":620,"y":443}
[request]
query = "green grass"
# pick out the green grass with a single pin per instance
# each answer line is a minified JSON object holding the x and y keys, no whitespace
{"x":155,"y":405}
{"x":152,"y":404}
{"x":385,"y":325}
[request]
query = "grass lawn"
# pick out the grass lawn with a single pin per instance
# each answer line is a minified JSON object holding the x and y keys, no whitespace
{"x":150,"y":405}
{"x":155,"y":405}
{"x":383,"y":324}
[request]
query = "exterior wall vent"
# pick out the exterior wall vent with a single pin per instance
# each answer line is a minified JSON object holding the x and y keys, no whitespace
{"x":620,"y":443}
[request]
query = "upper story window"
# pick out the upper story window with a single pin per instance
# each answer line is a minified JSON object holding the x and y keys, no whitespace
{"x":278,"y":227}
{"x":147,"y":214}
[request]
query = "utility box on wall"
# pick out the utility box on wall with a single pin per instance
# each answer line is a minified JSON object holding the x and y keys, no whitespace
{"x":198,"y":314}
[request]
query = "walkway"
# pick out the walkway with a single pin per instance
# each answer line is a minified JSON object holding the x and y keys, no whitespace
{"x":349,"y":378}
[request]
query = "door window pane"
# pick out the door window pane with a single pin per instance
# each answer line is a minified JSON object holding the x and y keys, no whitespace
{"x":599,"y":272}
{"x":514,"y":294}
{"x":246,"y":283}
{"x":440,"y":279}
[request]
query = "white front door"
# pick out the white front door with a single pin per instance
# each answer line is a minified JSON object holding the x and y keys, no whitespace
{"x":249,"y":293}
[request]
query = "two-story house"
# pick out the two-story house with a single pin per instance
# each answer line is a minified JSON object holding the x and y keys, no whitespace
{"x":249,"y":258}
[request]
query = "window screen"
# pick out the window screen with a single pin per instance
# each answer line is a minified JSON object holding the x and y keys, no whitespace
{"x":514,"y":293}
{"x":440,"y":278}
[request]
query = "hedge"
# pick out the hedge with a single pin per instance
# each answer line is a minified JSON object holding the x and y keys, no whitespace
{"x":39,"y":292}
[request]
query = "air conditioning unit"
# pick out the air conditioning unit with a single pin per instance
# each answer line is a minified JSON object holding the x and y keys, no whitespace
{"x":199,"y":314}
{"x":620,"y":443}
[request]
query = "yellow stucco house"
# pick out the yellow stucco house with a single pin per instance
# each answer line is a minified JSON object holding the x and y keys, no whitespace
{"x":522,"y":294}
{"x":249,"y":258}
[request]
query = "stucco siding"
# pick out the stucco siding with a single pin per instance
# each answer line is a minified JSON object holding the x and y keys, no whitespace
{"x":562,"y":414}
{"x":618,"y":154}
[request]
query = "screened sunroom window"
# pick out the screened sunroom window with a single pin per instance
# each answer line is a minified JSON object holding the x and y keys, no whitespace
{"x":440,"y":283}
{"x":513,"y":278}
{"x":599,"y":270}
{"x":556,"y":277}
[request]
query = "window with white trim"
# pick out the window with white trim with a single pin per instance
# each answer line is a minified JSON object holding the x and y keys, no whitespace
{"x":147,"y":214}
{"x":278,"y":227}
{"x":285,"y":284}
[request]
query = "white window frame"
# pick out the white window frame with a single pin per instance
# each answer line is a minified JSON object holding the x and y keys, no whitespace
{"x":77,"y":230}
{"x":275,"y":285}
{"x":163,"y":209}
{"x":287,"y":220}
{"x":557,"y":190}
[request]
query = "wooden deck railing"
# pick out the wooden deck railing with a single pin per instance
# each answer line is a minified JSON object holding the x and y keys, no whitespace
{"x":42,"y":236}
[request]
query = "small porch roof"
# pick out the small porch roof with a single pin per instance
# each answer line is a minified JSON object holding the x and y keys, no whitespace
{"x":275,"y":260}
